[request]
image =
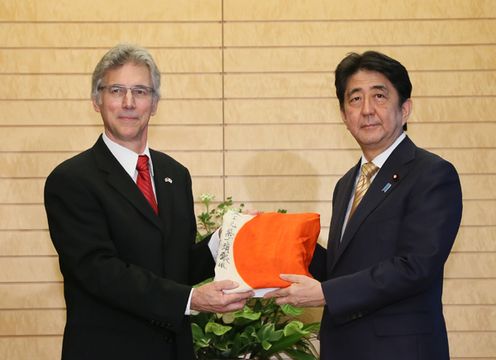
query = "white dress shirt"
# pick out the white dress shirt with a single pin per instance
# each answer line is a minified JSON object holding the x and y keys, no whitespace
{"x":378,"y":161}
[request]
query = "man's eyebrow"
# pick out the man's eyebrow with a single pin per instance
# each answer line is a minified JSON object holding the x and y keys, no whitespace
{"x":352,"y":91}
{"x":380,"y":87}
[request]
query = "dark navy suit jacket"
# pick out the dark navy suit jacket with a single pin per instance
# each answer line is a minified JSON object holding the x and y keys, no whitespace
{"x":383,"y":280}
{"x":127,"y":272}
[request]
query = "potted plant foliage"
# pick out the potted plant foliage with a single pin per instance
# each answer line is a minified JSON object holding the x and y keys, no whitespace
{"x":261,"y":330}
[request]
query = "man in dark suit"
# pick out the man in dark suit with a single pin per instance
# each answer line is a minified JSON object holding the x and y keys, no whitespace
{"x":381,"y":278}
{"x":127,"y":253}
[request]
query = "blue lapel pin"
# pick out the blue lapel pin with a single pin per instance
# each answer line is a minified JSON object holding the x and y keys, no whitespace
{"x":386,"y":187}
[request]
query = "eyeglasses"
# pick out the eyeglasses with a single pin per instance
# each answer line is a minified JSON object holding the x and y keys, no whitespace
{"x":119,"y":91}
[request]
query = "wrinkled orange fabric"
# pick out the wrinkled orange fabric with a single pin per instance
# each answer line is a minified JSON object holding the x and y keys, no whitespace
{"x":271,"y":244}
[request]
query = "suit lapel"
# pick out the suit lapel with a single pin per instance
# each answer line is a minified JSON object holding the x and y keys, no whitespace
{"x":340,"y":205}
{"x":163,"y":187}
{"x":118,"y":179}
{"x":389,"y":177}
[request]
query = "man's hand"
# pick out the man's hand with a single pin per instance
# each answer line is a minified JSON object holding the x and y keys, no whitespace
{"x":303,"y":292}
{"x":211,"y":298}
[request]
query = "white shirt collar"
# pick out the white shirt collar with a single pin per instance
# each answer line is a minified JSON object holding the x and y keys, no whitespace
{"x":127,"y":158}
{"x":380,"y":159}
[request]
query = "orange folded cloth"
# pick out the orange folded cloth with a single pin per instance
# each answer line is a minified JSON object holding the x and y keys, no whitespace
{"x":255,"y":249}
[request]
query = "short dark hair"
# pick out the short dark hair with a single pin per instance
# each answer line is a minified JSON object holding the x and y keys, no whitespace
{"x":392,"y":69}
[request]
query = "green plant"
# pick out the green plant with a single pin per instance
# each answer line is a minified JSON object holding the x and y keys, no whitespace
{"x":261,"y":330}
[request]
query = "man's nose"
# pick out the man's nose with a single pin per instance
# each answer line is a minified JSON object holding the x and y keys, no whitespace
{"x":128,"y":100}
{"x":367,"y":107}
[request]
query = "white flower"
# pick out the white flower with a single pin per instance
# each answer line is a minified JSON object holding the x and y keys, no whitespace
{"x":207,"y":197}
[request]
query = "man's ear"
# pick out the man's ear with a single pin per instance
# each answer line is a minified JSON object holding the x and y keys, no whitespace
{"x":154,"y":107}
{"x":343,"y":118}
{"x":96,"y":106}
{"x":406,"y":110}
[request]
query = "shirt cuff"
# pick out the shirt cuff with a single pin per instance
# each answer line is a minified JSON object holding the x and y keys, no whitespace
{"x":187,"y":311}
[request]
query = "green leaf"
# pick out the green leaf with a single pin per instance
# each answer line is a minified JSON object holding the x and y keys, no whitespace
{"x":285,"y":343}
{"x":228,"y":318}
{"x":300,"y":355}
{"x":313,"y":327}
{"x":266,"y":345}
{"x":216,"y":329}
{"x":291,"y":310}
{"x":295,"y":327}
{"x":247,"y":313}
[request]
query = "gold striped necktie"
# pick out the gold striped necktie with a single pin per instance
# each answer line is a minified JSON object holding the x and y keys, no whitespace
{"x":368,"y":170}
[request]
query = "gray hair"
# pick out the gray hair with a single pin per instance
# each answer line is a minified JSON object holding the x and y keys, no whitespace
{"x":118,"y":56}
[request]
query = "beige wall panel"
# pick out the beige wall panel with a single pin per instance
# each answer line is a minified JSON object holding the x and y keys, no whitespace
{"x":479,"y":213}
{"x":81,"y":112}
{"x":303,"y":162}
{"x":470,"y":161}
{"x":476,"y":238}
{"x":425,"y":110}
{"x":15,"y":165}
{"x":453,"y":109}
{"x":75,"y":87}
{"x":52,"y":112}
{"x":469,"y":291}
{"x":335,"y":136}
{"x":321,"y":84}
{"x":212,"y":185}
{"x":188,"y":86}
{"x":32,"y":322}
{"x":202,"y":163}
{"x":30,"y":191}
{"x":466,"y":344}
{"x":30,"y":243}
{"x":337,"y":162}
{"x":188,"y":111}
{"x":278,"y":85}
{"x":48,"y":138}
{"x":471,"y":265}
{"x":481,"y":187}
{"x":28,"y":348}
{"x":114,"y":10}
{"x":266,"y":111}
{"x":290,"y":188}
{"x":470,"y":318}
{"x":235,"y":10}
{"x":23,"y":217}
{"x":29,"y":269}
{"x":185,"y":137}
{"x":68,"y":61}
{"x":290,"y":137}
{"x":477,"y":57}
{"x":78,"y":35}
{"x":56,"y":139}
{"x":21,"y":191}
{"x":453,"y":135}
{"x":471,"y":83}
{"x":34,"y":296}
{"x":375,"y":33}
